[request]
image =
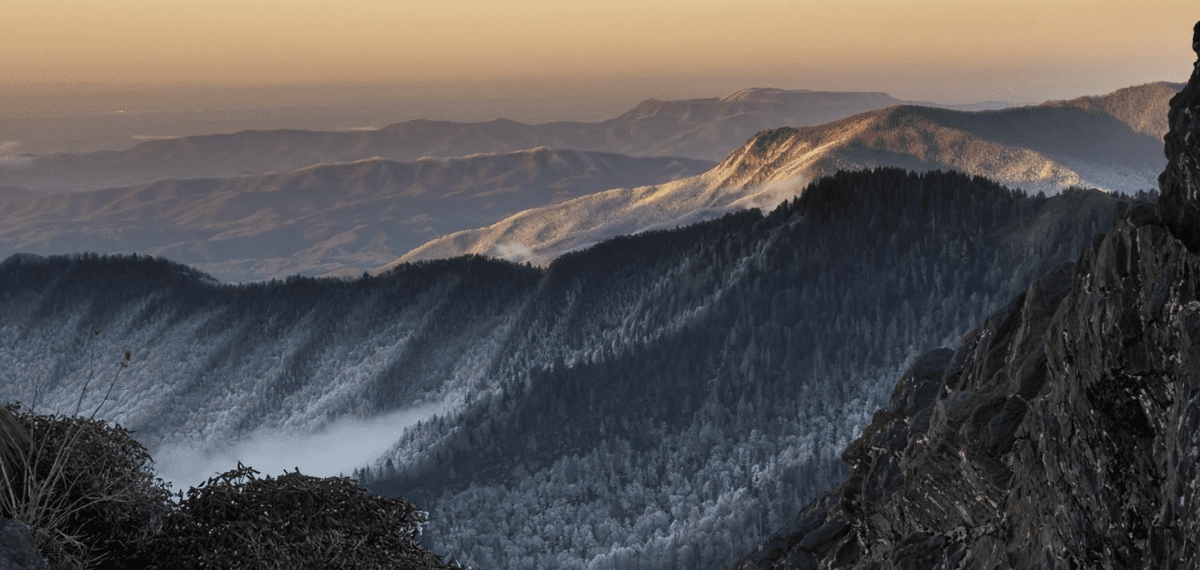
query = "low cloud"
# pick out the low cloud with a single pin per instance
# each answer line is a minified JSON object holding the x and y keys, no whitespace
{"x":7,"y":147}
{"x":514,"y":252}
{"x":335,"y":450}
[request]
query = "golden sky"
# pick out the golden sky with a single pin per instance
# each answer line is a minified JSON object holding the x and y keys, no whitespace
{"x":302,"y":41}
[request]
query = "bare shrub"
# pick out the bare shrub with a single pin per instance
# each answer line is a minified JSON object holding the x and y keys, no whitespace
{"x":237,"y":520}
{"x":85,"y":488}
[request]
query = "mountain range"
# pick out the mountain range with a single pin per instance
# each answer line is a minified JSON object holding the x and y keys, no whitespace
{"x":335,"y":219}
{"x":696,"y":128}
{"x":678,"y":381}
{"x":1105,"y":142}
{"x":533,"y":205}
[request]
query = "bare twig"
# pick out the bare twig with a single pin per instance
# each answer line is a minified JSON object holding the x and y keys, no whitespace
{"x":124,"y":365}
{"x":37,"y":385}
{"x":91,"y":372}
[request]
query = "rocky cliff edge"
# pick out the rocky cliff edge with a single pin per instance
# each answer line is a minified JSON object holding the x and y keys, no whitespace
{"x":1179,"y":205}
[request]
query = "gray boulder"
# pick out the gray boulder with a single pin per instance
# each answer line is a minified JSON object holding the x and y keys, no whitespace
{"x":17,"y":551}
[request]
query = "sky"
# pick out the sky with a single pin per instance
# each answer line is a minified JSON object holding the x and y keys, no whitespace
{"x":942,"y":50}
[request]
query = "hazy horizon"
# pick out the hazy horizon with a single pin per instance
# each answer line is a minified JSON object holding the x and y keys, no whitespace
{"x":108,"y":118}
{"x":82,"y":76}
{"x":232,"y":42}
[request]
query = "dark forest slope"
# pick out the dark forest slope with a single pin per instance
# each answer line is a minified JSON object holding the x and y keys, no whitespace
{"x":722,"y":380}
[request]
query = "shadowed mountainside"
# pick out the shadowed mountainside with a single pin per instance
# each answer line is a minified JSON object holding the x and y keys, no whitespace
{"x":1129,"y":106}
{"x":341,"y":219}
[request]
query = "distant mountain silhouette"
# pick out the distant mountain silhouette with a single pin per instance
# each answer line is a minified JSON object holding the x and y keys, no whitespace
{"x":1103,"y":142}
{"x":320,"y":220}
{"x":699,"y":128}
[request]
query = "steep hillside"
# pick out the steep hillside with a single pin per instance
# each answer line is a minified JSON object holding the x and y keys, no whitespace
{"x":697,"y":128}
{"x":1037,"y":148}
{"x":1129,"y":105}
{"x":336,"y":219}
{"x":658,"y":394}
{"x":661,"y":437}
{"x":1062,"y":433}
{"x":539,"y":235}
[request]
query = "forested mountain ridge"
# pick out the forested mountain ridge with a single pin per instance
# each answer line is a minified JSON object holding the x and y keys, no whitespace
{"x":780,"y":340}
{"x":331,"y":219}
{"x":1064,"y":432}
{"x":1129,"y":105}
{"x":631,"y":404}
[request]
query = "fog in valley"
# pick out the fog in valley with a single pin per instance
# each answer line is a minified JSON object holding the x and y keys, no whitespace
{"x":329,"y":452}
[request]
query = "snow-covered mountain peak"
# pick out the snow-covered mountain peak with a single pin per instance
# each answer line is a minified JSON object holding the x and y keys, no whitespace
{"x":786,"y":153}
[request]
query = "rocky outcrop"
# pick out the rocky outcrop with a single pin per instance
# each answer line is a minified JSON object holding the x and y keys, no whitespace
{"x":17,"y":551}
{"x":1179,"y":204}
{"x":1063,"y":433}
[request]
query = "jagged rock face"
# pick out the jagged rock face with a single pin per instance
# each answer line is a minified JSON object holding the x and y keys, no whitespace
{"x":1063,"y":433}
{"x":1179,"y":204}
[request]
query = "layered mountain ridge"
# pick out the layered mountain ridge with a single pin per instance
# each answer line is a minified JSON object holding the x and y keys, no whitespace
{"x":371,"y":214}
{"x":1100,"y":142}
{"x":697,"y":128}
{"x":1063,"y":433}
{"x":1047,"y":147}
{"x":335,"y":219}
{"x":707,"y":128}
